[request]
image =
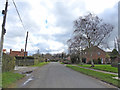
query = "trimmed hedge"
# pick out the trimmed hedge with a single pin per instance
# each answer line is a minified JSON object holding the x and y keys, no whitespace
{"x":8,"y":63}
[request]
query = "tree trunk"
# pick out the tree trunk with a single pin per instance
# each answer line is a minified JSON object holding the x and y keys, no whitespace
{"x":80,"y":59}
{"x":92,"y":63}
{"x":91,"y":51}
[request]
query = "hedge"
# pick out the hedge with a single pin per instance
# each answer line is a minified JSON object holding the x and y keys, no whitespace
{"x":8,"y":63}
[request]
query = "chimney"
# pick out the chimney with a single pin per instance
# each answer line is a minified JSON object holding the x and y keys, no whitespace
{"x":22,"y":50}
{"x":10,"y":51}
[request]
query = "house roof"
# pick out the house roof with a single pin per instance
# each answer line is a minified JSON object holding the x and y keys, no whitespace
{"x":4,"y":49}
{"x":17,"y":52}
{"x":95,"y":47}
{"x":109,"y":53}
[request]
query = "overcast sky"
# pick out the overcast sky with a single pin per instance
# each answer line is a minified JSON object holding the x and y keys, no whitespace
{"x":50,"y":22}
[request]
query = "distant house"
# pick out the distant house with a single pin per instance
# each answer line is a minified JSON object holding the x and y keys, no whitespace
{"x":18,"y":53}
{"x":48,"y":55}
{"x":94,"y":53}
{"x":4,"y":51}
{"x":68,"y":58}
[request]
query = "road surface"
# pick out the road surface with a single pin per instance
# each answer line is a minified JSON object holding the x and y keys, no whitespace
{"x":56,"y":75}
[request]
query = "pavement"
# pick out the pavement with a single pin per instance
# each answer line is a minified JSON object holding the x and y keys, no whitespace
{"x":56,"y":75}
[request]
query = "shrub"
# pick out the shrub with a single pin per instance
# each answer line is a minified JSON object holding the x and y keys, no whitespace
{"x":84,"y":60}
{"x":74,"y":59}
{"x":8,"y":63}
{"x":89,"y":62}
{"x":99,"y":61}
{"x":95,"y":61}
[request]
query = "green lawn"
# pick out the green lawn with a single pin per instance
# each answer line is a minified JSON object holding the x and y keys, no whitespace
{"x":99,"y":75}
{"x":61,"y":63}
{"x":40,"y":64}
{"x":107,"y":68}
{"x":9,"y":78}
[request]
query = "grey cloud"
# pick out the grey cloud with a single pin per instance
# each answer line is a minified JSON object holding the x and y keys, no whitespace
{"x":110,"y":16}
{"x":65,"y":14}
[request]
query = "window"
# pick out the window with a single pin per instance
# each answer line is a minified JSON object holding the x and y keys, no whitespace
{"x":98,"y":53}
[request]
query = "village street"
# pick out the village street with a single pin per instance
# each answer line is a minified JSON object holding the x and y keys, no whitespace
{"x":56,"y":75}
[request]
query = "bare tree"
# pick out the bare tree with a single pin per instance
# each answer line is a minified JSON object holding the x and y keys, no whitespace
{"x":76,"y":45}
{"x":90,"y":31}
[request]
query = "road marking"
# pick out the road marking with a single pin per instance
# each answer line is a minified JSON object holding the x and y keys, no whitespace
{"x":30,"y":79}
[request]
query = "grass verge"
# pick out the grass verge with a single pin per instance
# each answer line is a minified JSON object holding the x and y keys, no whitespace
{"x":99,"y":75}
{"x":40,"y":64}
{"x":107,"y":68}
{"x":9,"y":77}
{"x":61,"y":63}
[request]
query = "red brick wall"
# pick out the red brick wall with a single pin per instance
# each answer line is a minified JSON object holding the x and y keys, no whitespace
{"x":96,"y":53}
{"x":17,"y":53}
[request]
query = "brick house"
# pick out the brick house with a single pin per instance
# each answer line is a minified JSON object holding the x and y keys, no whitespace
{"x":18,"y":53}
{"x":4,"y":51}
{"x":96,"y":53}
{"x":68,"y":58}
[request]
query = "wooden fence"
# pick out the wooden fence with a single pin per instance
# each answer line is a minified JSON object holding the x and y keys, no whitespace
{"x":20,"y":61}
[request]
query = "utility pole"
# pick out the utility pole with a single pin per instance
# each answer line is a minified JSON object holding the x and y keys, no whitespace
{"x":38,"y":51}
{"x":4,"y":12}
{"x":26,"y":44}
{"x":119,"y":39}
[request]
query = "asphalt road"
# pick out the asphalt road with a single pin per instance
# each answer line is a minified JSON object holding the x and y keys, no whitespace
{"x":56,"y":75}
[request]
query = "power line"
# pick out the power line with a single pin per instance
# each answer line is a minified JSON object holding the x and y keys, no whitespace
{"x":18,"y":14}
{"x":21,"y":20}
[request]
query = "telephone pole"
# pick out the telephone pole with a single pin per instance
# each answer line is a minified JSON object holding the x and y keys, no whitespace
{"x":4,"y":12}
{"x":26,"y":44}
{"x":38,"y":51}
{"x":119,"y":39}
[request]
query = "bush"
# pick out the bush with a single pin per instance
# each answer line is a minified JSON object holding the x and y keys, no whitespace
{"x":89,"y":62}
{"x":99,"y":61}
{"x":114,"y":64}
{"x":84,"y":60}
{"x":8,"y":63}
{"x":95,"y":61}
{"x":38,"y":59}
{"x":74,"y":59}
